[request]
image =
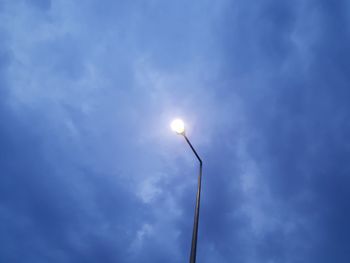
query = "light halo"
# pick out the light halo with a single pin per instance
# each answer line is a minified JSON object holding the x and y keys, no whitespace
{"x":178,"y":126}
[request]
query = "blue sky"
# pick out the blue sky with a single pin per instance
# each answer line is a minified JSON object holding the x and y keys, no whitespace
{"x":90,"y":171}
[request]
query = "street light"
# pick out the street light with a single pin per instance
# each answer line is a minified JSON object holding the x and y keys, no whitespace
{"x":178,"y":126}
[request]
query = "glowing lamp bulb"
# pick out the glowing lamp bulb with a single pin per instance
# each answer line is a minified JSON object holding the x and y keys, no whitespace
{"x":178,"y":126}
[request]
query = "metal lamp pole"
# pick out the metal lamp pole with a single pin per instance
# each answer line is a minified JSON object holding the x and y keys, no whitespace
{"x":196,"y":212}
{"x":179,"y":127}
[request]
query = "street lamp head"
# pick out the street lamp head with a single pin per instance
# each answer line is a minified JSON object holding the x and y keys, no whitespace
{"x":178,"y":126}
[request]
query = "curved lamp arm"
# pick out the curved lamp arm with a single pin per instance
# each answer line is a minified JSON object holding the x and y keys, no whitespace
{"x":196,"y":213}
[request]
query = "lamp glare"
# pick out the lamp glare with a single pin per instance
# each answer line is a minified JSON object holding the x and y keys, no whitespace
{"x":178,"y":126}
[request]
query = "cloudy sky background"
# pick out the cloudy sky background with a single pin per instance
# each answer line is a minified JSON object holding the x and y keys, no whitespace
{"x":90,"y":171}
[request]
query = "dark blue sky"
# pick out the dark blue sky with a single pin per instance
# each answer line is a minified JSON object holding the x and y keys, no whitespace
{"x":91,"y":172}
